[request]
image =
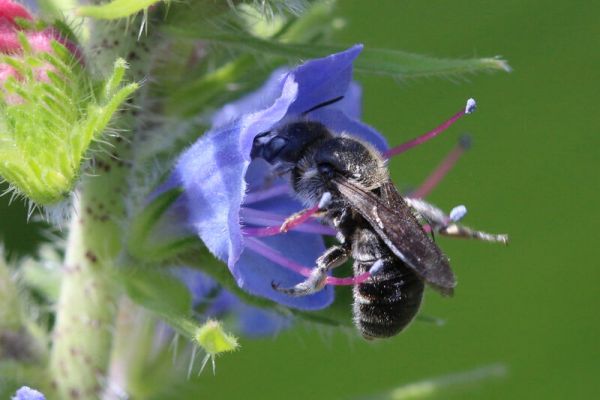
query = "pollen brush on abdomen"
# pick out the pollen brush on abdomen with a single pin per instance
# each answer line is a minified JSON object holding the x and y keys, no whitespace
{"x":387,"y":302}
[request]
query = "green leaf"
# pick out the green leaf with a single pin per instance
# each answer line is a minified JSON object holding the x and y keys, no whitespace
{"x":157,"y":291}
{"x":440,"y":385}
{"x":145,"y":242}
{"x":14,"y":374}
{"x":190,"y":99}
{"x":395,"y":63}
{"x":169,"y":298}
{"x":146,"y":220}
{"x":10,"y":303}
{"x":115,"y":9}
{"x":162,"y":294}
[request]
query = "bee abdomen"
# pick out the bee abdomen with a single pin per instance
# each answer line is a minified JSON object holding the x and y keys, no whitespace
{"x":385,"y":304}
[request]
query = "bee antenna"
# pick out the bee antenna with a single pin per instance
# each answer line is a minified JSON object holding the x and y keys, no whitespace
{"x":323,"y":104}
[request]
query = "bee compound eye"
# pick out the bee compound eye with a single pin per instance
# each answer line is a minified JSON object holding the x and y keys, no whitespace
{"x":273,"y":148}
{"x":258,"y":146}
{"x":326,"y":170}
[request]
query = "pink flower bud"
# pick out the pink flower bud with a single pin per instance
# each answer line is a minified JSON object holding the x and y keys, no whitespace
{"x":9,"y":10}
{"x":40,"y":42}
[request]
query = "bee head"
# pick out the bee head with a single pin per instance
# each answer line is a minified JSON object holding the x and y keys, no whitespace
{"x":288,"y":143}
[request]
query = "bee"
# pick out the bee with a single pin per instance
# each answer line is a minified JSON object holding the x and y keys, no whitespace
{"x":376,"y":227}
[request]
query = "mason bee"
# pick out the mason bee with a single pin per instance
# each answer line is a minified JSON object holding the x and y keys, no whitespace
{"x":375,"y":226}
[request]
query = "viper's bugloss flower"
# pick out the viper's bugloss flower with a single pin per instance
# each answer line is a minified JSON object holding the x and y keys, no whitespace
{"x":233,"y":202}
{"x":225,"y":191}
{"x":27,"y":393}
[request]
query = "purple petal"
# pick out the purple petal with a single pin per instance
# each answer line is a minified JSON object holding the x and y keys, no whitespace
{"x":216,"y":172}
{"x":260,"y":99}
{"x":351,"y":104}
{"x":323,"y":79}
{"x":254,"y":273}
{"x":212,"y":173}
{"x":251,"y":321}
{"x":319,"y":80}
{"x":198,"y":283}
{"x":339,"y":122}
{"x":27,"y":393}
{"x":256,"y":322}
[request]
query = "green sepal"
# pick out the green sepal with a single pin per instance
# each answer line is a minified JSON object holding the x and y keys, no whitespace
{"x":214,"y":340}
{"x":47,"y":124}
{"x":168,"y":297}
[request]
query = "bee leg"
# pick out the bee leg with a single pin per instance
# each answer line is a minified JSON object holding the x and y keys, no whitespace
{"x":333,"y":257}
{"x":447,"y":224}
{"x":460,"y":231}
{"x":427,"y":211}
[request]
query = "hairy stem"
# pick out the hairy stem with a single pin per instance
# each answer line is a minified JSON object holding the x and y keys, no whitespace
{"x":86,"y":306}
{"x":88,"y":299}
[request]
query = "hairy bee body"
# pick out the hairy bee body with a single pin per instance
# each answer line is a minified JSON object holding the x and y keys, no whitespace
{"x":375,"y":226}
{"x":387,"y":302}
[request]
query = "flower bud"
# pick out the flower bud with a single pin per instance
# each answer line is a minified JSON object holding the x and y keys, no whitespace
{"x":50,"y":110}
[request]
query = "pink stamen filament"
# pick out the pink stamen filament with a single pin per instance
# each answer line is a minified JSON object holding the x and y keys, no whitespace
{"x":355,"y":280}
{"x":260,"y":195}
{"x":299,"y":224}
{"x":273,"y":255}
{"x":265,"y":219}
{"x":425,"y":137}
{"x":439,"y":172}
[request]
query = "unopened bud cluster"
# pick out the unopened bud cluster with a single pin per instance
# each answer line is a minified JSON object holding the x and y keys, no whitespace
{"x":49,"y":115}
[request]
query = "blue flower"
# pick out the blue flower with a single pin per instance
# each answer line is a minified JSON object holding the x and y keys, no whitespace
{"x":226,"y":193}
{"x":27,"y":393}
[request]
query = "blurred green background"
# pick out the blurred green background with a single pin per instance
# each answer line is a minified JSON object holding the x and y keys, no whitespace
{"x":531,"y":306}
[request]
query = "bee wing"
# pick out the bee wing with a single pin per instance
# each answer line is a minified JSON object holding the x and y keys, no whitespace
{"x":395,"y":223}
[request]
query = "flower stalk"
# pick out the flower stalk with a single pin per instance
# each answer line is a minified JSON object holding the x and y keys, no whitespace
{"x":88,"y":297}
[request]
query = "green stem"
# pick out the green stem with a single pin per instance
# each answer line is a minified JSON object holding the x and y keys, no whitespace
{"x":134,"y":332}
{"x":20,"y":338}
{"x":87,"y":305}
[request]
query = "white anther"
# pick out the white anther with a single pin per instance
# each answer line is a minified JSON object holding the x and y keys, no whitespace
{"x":325,"y":200}
{"x":471,"y":106}
{"x":376,"y":267}
{"x":458,"y":213}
